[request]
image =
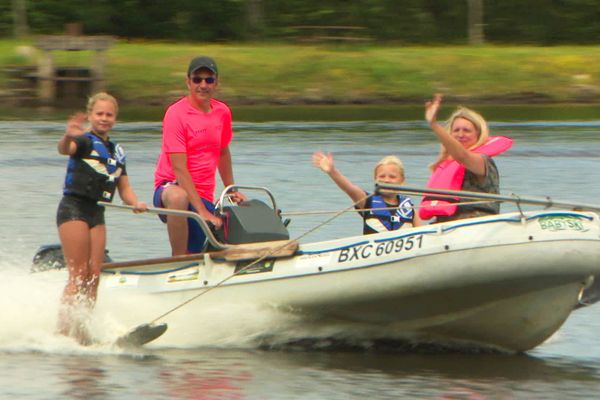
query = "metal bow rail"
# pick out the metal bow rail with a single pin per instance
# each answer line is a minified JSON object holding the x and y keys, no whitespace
{"x":541,"y":201}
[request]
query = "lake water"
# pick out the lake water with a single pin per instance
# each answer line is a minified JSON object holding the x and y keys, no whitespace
{"x":557,"y":159}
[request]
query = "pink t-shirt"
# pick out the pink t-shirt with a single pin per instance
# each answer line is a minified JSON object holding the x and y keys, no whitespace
{"x":201,"y":136}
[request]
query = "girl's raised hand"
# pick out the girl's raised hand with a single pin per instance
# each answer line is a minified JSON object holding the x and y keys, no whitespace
{"x":323,"y":161}
{"x":75,"y":125}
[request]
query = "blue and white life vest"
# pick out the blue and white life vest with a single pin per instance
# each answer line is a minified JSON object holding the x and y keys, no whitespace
{"x":380,"y":218}
{"x":95,"y":175}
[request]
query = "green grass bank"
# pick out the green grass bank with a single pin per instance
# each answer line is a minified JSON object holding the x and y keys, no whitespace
{"x":152,"y":73}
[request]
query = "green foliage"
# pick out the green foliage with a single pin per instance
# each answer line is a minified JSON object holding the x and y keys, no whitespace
{"x":6,"y":18}
{"x":546,"y":22}
{"x":155,"y":19}
{"x":543,"y":21}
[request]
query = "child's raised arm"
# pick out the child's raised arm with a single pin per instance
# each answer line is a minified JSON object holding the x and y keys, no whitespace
{"x":325,"y":163}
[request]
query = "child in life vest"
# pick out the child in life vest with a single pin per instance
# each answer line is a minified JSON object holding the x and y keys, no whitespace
{"x":95,"y":171}
{"x":380,"y":212}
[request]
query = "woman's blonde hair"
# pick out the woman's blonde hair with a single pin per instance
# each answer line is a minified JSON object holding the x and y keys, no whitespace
{"x":476,"y":119}
{"x":101,"y":96}
{"x":390,"y":160}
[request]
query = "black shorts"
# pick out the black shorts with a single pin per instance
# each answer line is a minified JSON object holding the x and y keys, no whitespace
{"x":73,"y":208}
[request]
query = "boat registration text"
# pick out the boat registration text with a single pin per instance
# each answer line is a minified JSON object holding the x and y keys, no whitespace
{"x":363,"y":251}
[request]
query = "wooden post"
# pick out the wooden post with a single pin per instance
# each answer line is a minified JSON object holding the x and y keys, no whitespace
{"x":46,"y":79}
{"x":97,"y":71}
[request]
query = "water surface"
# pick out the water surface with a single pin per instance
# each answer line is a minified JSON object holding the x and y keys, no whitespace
{"x":557,"y":159}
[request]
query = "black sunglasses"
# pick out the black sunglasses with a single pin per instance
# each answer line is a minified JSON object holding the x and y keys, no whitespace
{"x":198,"y":79}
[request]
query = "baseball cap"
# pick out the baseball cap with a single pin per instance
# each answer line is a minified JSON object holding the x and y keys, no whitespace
{"x":202,"y":62}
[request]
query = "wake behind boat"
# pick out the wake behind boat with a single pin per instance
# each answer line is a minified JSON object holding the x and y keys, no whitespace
{"x":505,"y":282}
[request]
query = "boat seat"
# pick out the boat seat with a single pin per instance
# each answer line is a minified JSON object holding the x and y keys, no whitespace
{"x":252,"y":251}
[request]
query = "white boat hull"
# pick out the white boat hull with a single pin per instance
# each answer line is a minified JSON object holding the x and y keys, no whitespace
{"x":506,"y":282}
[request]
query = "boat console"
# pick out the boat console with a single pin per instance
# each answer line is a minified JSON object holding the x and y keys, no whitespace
{"x":250,"y":222}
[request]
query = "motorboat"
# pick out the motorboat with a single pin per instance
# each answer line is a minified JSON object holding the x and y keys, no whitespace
{"x":503,"y":282}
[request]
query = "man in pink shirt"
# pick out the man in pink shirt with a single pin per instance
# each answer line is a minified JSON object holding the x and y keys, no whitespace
{"x":195,"y":143}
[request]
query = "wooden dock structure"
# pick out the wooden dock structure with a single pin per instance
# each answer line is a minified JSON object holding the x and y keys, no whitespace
{"x":50,"y":77}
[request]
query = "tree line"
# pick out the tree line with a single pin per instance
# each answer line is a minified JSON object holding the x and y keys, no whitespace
{"x":545,"y":22}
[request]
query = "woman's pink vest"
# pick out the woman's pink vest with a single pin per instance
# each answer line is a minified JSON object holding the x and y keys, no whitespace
{"x":450,"y":174}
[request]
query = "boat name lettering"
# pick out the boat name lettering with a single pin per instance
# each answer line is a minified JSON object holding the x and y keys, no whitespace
{"x":561,"y":223}
{"x":360,"y":252}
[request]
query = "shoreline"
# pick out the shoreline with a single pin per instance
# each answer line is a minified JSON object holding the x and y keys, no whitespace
{"x":337,"y":112}
{"x":281,"y":74}
{"x":524,"y":98}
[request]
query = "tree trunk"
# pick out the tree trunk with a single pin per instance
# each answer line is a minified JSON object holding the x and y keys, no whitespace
{"x":20,"y":18}
{"x":255,"y":20}
{"x":476,"y":36}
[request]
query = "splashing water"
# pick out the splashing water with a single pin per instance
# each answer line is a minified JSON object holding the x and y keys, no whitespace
{"x":29,"y":303}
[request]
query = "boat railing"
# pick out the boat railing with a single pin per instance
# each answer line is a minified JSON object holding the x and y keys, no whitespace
{"x":540,"y":201}
{"x":210,"y":236}
{"x":180,"y":213}
{"x":231,"y":188}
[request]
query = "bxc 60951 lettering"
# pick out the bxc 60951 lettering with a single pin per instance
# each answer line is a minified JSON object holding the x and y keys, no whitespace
{"x":363,"y":251}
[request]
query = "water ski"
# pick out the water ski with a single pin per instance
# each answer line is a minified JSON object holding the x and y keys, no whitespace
{"x":141,"y":335}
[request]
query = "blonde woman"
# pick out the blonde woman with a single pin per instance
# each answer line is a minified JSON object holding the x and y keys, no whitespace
{"x":383,"y":212}
{"x":464,"y":163}
{"x":96,"y":169}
